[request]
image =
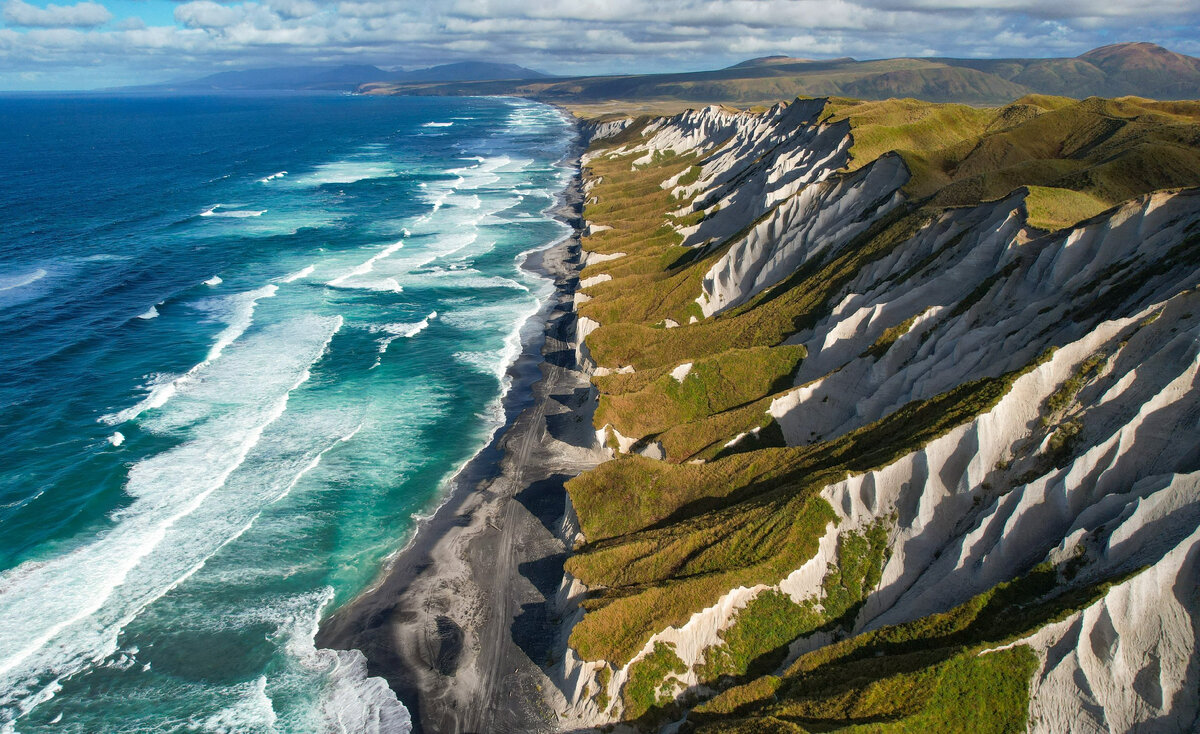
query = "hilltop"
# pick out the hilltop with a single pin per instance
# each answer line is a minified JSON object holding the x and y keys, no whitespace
{"x":344,"y":78}
{"x":1112,"y":71}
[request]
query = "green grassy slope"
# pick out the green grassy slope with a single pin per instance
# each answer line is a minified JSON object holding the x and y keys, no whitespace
{"x":942,"y":673}
{"x":666,"y":539}
{"x":1111,"y":71}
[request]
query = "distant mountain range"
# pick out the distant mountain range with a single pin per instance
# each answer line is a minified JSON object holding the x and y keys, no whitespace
{"x":1141,"y":69}
{"x":346,"y":77}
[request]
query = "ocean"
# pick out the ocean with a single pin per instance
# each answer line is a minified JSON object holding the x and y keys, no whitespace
{"x":244,"y":342}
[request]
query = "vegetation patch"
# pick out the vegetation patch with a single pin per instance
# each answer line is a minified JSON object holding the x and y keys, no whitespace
{"x":650,"y":684}
{"x":707,"y":438}
{"x":1086,"y":371}
{"x":711,"y":386}
{"x":690,"y":177}
{"x":1051,"y":208}
{"x":939,"y":673}
{"x":603,"y":678}
{"x":889,"y":337}
{"x":756,"y":642}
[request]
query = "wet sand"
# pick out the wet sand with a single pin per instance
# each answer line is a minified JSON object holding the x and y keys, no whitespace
{"x":464,"y":621}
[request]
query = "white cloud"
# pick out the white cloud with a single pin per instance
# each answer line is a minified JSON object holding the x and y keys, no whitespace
{"x":81,"y":15}
{"x":207,"y":14}
{"x":294,"y":9}
{"x":582,"y":36}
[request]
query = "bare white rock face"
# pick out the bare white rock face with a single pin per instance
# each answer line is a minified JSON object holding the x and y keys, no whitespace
{"x":973,"y":294}
{"x":595,"y":280}
{"x":821,"y":216}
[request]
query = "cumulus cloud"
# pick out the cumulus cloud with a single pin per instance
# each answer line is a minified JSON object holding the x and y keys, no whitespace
{"x":578,"y":37}
{"x":207,"y":14}
{"x":294,"y":9}
{"x":81,"y":15}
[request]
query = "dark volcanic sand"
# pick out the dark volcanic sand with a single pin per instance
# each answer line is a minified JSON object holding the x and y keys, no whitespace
{"x":462,"y":623}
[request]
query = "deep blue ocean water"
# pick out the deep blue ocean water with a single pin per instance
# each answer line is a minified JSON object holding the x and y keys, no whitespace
{"x":242,"y":342}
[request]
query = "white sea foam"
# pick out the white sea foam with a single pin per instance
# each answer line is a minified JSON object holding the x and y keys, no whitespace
{"x":316,"y":460}
{"x":401,"y":330}
{"x":251,"y":710}
{"x":8,"y":283}
{"x":242,"y":307}
{"x":273,"y":176}
{"x":215,"y":280}
{"x":367,"y":266}
{"x":117,"y":438}
{"x":218,"y":210}
{"x":345,"y":172}
{"x":66,"y":614}
{"x":347,"y":699}
{"x":437,"y":124}
{"x":301,"y":273}
{"x":353,"y":701}
{"x":497,"y":362}
{"x":150,"y":313}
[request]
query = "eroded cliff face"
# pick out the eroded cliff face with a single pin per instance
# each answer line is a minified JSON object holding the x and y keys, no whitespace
{"x":988,"y":454}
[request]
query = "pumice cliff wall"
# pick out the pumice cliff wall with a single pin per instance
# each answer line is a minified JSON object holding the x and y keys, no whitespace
{"x":902,"y":403}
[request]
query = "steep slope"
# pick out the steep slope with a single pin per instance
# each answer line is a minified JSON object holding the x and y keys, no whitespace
{"x":885,"y":452}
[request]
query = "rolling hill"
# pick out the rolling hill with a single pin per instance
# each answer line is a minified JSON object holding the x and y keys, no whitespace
{"x":1111,"y":71}
{"x":343,"y":78}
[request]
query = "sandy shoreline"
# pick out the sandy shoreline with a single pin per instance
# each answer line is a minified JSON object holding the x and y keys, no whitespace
{"x":462,"y":623}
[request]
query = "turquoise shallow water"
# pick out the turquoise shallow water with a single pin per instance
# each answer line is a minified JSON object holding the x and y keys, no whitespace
{"x":245,"y":340}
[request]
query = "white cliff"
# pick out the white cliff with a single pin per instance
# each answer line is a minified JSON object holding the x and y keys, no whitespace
{"x":1108,"y":478}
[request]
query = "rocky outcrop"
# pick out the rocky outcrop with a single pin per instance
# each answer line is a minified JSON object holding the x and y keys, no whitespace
{"x":593,"y":131}
{"x":819,"y":217}
{"x":1086,"y":460}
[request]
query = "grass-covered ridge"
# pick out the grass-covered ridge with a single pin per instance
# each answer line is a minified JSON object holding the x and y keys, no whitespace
{"x":668,"y":540}
{"x":713,"y":385}
{"x":756,"y":642}
{"x":956,"y":671}
{"x":1126,"y":68}
{"x":732,"y":505}
{"x":1078,"y":157}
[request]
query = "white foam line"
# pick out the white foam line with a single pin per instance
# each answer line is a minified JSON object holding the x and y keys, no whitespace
{"x":156,"y":537}
{"x":367,"y":266}
{"x":145,"y":546}
{"x":302,"y":273}
{"x":234,"y":213}
{"x":31,"y":278}
{"x":402,"y":330}
{"x":308,"y":467}
{"x":160,"y":394}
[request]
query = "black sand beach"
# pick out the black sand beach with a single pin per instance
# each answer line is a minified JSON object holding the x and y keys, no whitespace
{"x":463,"y":623}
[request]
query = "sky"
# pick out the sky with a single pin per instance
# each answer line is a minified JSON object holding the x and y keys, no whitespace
{"x":102,"y":43}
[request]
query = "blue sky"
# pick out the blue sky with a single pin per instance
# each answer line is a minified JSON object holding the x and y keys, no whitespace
{"x":100,"y":43}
